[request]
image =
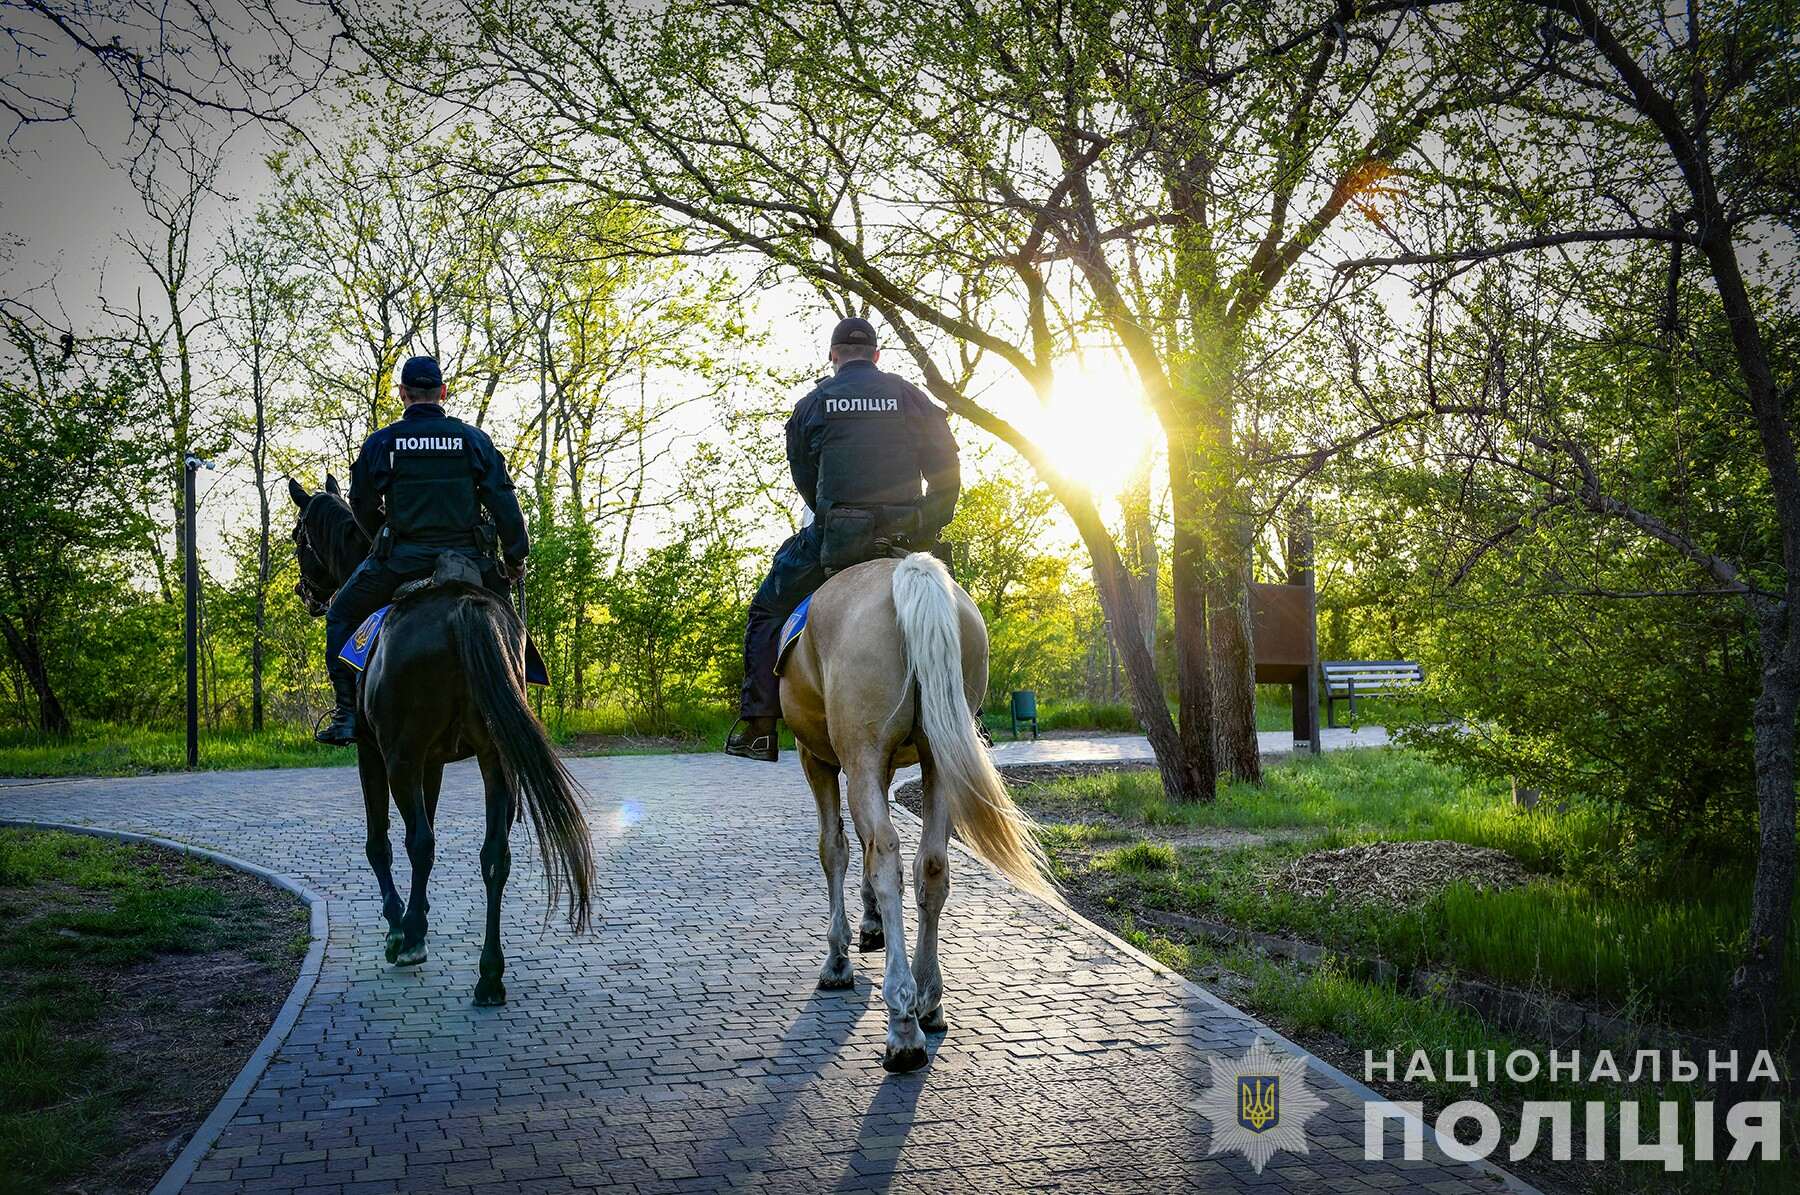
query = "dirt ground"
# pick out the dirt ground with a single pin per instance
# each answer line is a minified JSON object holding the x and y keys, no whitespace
{"x":177,"y":1027}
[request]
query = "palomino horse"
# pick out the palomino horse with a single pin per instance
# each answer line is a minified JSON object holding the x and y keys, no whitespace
{"x":446,"y":681}
{"x":894,"y":657}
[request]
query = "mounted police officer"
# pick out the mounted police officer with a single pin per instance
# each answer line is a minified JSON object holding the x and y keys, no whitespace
{"x":859,"y":446}
{"x":418,"y":489}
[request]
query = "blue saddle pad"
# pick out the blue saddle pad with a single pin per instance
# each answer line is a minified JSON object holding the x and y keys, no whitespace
{"x":790,"y":631}
{"x":359,"y":646}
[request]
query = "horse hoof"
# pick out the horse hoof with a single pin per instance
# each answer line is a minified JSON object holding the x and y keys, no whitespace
{"x":410,"y":956}
{"x":837,"y":979}
{"x":490,"y":995}
{"x":395,"y":940}
{"x":870,"y":940}
{"x":904,"y":1061}
{"x":933,"y":1021}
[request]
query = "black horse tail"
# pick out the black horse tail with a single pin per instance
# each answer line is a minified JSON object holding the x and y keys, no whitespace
{"x":552,"y":796}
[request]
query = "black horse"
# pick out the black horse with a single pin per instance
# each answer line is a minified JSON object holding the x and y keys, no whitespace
{"x":446,"y":681}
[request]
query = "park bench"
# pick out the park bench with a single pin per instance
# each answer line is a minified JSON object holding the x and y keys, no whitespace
{"x":1365,"y":678}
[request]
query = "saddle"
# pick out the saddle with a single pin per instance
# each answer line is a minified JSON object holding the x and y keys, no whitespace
{"x":882,"y":548}
{"x":453,"y":570}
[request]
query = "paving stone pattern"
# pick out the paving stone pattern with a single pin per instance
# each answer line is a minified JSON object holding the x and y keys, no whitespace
{"x":682,"y":1046}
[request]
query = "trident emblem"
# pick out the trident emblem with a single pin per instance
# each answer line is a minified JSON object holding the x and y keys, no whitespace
{"x":1259,"y":1102}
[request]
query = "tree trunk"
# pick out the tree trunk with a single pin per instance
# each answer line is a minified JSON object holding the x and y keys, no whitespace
{"x":1193,"y":662}
{"x":1234,"y":669}
{"x":1140,"y":553}
{"x":1756,"y":986}
{"x":1185,"y":775}
{"x":30,"y":656}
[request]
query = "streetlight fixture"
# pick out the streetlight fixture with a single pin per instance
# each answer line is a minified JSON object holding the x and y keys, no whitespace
{"x":190,"y":467}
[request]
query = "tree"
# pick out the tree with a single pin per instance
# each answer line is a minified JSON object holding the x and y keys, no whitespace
{"x":256,"y":306}
{"x":1679,"y":159}
{"x":1002,"y":186}
{"x":233,"y":61}
{"x":167,"y":330}
{"x":68,"y":440}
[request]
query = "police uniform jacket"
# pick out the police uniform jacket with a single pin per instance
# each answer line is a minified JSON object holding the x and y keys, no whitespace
{"x":864,"y":437}
{"x":427,"y":478}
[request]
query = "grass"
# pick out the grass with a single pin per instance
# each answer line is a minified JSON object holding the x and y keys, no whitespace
{"x":111,"y":749}
{"x":108,"y":749}
{"x":1659,"y":947}
{"x":1344,"y":1015}
{"x":83,"y":916}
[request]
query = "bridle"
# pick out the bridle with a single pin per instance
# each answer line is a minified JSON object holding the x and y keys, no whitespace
{"x":315,"y":599}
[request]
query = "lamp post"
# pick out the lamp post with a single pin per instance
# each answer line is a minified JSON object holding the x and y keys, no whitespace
{"x":190,"y":467}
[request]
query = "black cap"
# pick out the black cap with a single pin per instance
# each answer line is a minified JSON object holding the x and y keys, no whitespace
{"x":853,"y":331}
{"x":421,"y":373}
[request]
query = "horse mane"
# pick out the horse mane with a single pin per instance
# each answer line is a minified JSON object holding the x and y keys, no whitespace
{"x":340,"y":541}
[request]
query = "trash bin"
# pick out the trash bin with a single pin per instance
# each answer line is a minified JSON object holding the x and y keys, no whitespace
{"x":1024,"y":709}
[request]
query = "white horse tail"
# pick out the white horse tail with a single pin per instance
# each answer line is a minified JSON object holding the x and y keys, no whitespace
{"x":980,"y":809}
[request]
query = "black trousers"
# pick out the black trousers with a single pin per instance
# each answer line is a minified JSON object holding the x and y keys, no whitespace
{"x":795,"y":573}
{"x":370,"y":588}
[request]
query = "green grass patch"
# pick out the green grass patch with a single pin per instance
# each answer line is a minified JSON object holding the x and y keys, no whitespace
{"x":1358,"y":796}
{"x":1139,"y":858}
{"x":84,"y":916}
{"x":1327,"y":1005}
{"x":105,"y":749}
{"x":1659,"y":947}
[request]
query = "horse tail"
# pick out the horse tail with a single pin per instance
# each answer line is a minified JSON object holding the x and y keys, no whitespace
{"x":982,"y":812}
{"x":552,"y":797}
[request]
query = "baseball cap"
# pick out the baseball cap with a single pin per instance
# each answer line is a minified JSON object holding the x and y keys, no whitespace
{"x":421,"y":373}
{"x":854,"y":331}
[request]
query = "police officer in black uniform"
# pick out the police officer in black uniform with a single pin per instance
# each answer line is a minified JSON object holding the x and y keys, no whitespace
{"x":418,"y":489}
{"x":858,"y":446}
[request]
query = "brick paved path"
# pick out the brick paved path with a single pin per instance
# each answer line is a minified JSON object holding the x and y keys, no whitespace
{"x":682,"y":1046}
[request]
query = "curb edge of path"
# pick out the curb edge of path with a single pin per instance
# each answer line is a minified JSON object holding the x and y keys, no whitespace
{"x":204,"y":1137}
{"x":1355,"y":1087}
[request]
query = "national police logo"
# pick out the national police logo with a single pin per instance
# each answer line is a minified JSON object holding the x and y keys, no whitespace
{"x":1258,"y":1104}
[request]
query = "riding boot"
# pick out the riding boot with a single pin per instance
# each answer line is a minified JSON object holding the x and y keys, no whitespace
{"x":341,"y":730}
{"x":756,"y":740}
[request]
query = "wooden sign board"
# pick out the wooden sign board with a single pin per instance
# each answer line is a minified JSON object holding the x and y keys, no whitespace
{"x":1286,"y":646}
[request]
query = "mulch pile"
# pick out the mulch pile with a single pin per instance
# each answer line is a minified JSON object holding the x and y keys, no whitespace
{"x":1398,"y":873}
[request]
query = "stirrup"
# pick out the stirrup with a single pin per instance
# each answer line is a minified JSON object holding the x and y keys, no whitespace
{"x":332,"y":720}
{"x":762,"y":748}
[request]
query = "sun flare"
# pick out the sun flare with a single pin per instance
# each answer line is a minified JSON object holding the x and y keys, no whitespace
{"x":1097,"y":428}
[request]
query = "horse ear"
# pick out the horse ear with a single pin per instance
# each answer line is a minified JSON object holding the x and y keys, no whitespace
{"x":298,"y":494}
{"x":331,"y":486}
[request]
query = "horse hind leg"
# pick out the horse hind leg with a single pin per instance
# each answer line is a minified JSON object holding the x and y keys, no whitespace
{"x":376,"y":846}
{"x":931,"y":884}
{"x":881,"y":873}
{"x":834,"y":856}
{"x":869,"y":935}
{"x":496,"y":866}
{"x":408,"y":783}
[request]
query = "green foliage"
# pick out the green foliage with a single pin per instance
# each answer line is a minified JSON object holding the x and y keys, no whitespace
{"x":666,"y":631}
{"x":1659,"y":945}
{"x":66,"y":512}
{"x":1575,"y":654}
